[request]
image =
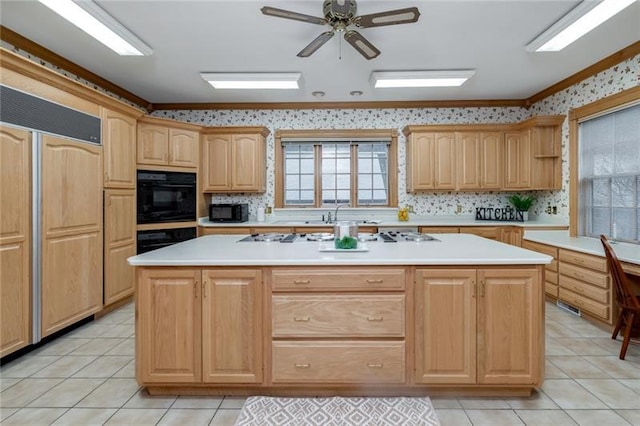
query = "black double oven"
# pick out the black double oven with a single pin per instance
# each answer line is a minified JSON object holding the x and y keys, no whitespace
{"x":165,"y":198}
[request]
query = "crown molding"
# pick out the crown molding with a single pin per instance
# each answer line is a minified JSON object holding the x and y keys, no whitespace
{"x":45,"y":54}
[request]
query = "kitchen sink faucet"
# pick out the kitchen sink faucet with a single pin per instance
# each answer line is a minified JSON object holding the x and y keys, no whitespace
{"x":335,"y":216}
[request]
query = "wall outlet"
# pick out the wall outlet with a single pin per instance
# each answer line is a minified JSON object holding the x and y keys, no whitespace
{"x":268,"y":210}
{"x":410,"y":208}
{"x":459,"y":208}
{"x":555,"y":209}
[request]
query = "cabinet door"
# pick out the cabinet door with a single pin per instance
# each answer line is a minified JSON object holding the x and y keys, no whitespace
{"x":15,"y":239}
{"x":420,"y":161}
{"x":119,"y":244}
{"x":119,"y":145}
{"x":445,"y":326}
{"x":183,"y":148}
{"x":231,"y":326}
{"x":510,"y":338}
{"x":469,"y":159}
{"x":71,"y":232}
{"x":153,"y":144}
{"x":491,"y":148}
{"x":445,"y":167}
{"x":247,"y":163}
{"x":168,"y":329}
{"x":511,"y":235}
{"x":518,"y":160}
{"x":216,"y":158}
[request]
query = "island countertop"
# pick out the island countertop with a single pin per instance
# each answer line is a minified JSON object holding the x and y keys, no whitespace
{"x":452,"y":249}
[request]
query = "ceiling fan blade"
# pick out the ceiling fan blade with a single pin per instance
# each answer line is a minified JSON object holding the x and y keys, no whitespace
{"x":316,"y":44}
{"x":361,"y":44}
{"x":390,"y":17}
{"x":281,"y":13}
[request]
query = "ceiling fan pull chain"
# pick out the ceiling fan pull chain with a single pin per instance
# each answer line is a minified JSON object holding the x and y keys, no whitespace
{"x":340,"y":48}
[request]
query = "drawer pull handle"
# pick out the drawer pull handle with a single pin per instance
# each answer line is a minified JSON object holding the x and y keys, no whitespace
{"x":307,"y":365}
{"x":375,"y":319}
{"x":375,"y":281}
{"x":301,"y":282}
{"x":303,"y":319}
{"x":374,"y":365}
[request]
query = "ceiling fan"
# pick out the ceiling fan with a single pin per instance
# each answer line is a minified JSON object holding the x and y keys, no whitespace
{"x":340,"y":14}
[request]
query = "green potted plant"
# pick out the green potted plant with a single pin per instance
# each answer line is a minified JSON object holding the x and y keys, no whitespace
{"x":522,"y":204}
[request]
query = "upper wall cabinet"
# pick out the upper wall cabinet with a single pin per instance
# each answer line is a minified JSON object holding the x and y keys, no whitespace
{"x":119,"y":149}
{"x":234,"y":159}
{"x":495,"y":157}
{"x":167,"y":143}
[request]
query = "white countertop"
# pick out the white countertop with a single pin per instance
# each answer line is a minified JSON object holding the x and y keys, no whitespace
{"x":225,"y":250}
{"x":625,"y":252}
{"x":542,"y":222}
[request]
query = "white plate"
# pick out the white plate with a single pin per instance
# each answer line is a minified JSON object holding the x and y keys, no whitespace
{"x":331,"y":247}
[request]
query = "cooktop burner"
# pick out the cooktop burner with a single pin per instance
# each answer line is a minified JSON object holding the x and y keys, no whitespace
{"x":320,"y":236}
{"x":397,"y":236}
{"x":416,"y":236}
{"x":263,"y":237}
{"x":367,"y":236}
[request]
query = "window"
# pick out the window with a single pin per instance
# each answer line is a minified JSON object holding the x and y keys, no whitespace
{"x":609,"y":175}
{"x":317,"y":169}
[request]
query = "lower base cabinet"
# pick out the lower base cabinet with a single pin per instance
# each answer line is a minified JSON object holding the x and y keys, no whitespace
{"x":220,"y":327}
{"x":199,"y":325}
{"x":491,"y":321}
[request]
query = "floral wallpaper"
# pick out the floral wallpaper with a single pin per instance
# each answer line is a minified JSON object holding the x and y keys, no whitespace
{"x":622,"y":76}
{"x":613,"y":80}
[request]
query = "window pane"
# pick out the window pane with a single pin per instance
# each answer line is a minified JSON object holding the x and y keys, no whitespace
{"x":601,"y":221}
{"x":364,"y":165}
{"x":306,"y":165}
{"x":365,"y":197}
{"x":343,"y":181}
{"x":343,"y":165}
{"x":620,"y":218}
{"x":364,"y":182}
{"x":292,"y":166}
{"x":307,"y":196}
{"x":601,"y":192}
{"x":343,"y":196}
{"x":306,"y":182}
{"x":293,"y":182}
{"x":622,"y":190}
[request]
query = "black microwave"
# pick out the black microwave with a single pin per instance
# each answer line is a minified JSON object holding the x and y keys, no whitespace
{"x":228,"y":212}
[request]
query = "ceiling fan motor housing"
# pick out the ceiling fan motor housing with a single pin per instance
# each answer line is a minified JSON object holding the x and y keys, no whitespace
{"x":339,"y":11}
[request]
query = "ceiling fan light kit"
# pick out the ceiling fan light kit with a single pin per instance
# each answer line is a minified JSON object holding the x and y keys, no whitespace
{"x":579,"y":21}
{"x":439,"y":78}
{"x":339,"y":15}
{"x":253,"y":80}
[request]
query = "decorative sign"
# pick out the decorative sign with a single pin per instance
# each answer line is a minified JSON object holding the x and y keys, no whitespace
{"x":504,"y":214}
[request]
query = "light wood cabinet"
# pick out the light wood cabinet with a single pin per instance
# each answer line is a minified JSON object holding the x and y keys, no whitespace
{"x":231,"y":326}
{"x":226,"y":230}
{"x":167,"y":143}
{"x":234,"y":159}
{"x":510,"y":339}
{"x":511,"y":235}
{"x":491,"y":321}
{"x":72,"y":245}
{"x":479,"y":160}
{"x":119,"y":244}
{"x":432,"y":163}
{"x":168,"y":325}
{"x":584,"y":282}
{"x":445,"y":312}
{"x":119,"y":149}
{"x":490,"y":232}
{"x":517,"y":160}
{"x":439,"y":229}
{"x":15,"y":239}
{"x":503,"y":157}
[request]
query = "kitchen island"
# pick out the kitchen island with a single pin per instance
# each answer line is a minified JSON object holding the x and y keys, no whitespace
{"x":218,"y":316}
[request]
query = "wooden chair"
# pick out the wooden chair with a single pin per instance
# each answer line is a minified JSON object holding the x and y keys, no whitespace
{"x":625,"y":297}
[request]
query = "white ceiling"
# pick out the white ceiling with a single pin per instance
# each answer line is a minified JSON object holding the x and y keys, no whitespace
{"x":189,"y":37}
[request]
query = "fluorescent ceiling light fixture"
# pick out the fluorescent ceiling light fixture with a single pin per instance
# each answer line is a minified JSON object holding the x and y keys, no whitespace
{"x":579,"y":21}
{"x":253,"y":80}
{"x":385,"y":79}
{"x":93,"y":20}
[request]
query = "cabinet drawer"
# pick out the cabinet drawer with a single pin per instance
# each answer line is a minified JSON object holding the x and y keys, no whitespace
{"x":338,"y":316}
{"x":541,"y":248}
{"x":592,"y":277}
{"x":584,"y":289}
{"x":338,"y":362}
{"x":438,"y":229}
{"x":551,"y":289}
{"x":551,"y":277}
{"x":586,"y":260}
{"x":337,"y":280}
{"x":491,"y":232}
{"x":592,"y":307}
{"x":553,"y":266}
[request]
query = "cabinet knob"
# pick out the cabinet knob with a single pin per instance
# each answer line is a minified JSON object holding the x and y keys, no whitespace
{"x":370,"y":365}
{"x":375,"y":281}
{"x":301,"y":281}
{"x":302,"y":319}
{"x":375,"y":319}
{"x":482,"y":288}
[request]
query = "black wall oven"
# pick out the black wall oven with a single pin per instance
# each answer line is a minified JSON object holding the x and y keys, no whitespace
{"x":158,"y":238}
{"x":166,"y":197}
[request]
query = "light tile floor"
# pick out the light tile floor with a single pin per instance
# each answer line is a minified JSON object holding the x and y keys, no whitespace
{"x":87,"y":378}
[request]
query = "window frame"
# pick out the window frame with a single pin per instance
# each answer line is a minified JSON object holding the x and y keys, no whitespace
{"x":388,"y":134}
{"x":599,"y":107}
